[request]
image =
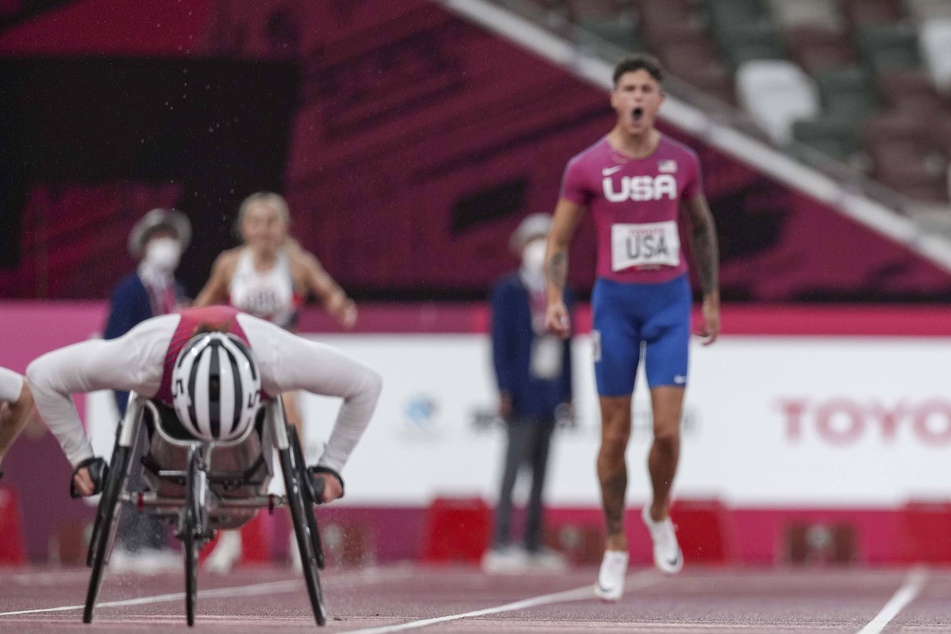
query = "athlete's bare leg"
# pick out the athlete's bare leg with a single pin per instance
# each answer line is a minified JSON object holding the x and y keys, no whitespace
{"x":292,"y":412}
{"x":13,"y":418}
{"x":667,"y":402}
{"x":612,"y":468}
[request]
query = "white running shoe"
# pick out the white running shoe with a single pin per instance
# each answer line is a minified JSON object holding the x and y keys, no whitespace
{"x":226,"y":553}
{"x":546,"y":559}
{"x":610,"y":585}
{"x":505,"y":559}
{"x":668,"y":557}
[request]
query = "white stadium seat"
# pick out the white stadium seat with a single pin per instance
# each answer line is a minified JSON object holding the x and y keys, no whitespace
{"x":793,"y":13}
{"x":935,"y":41}
{"x":776,"y":93}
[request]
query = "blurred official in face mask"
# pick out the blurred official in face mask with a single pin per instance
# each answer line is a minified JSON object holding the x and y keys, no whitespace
{"x":533,"y":374}
{"x":163,"y":252}
{"x":156,"y":241}
{"x":533,"y":256}
{"x":529,"y":241}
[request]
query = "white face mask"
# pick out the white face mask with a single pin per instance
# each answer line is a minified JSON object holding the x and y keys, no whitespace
{"x":163,"y":254}
{"x":533,"y":256}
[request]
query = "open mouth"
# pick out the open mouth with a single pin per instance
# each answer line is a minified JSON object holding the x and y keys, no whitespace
{"x":637,"y":114}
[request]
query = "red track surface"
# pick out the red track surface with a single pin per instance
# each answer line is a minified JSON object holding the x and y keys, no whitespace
{"x":270,"y":599}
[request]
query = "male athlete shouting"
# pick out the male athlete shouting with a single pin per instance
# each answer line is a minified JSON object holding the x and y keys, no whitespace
{"x":635,"y":181}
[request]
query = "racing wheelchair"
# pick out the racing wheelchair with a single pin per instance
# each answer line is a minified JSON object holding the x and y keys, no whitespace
{"x":202,"y":486}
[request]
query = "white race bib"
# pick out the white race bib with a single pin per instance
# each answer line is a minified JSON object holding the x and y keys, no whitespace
{"x":650,"y":244}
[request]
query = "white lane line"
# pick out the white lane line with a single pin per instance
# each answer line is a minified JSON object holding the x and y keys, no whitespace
{"x":905,"y":595}
{"x":272,"y":587}
{"x":638,"y":580}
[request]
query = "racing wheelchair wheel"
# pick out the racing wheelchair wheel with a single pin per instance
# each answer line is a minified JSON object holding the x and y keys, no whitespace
{"x":295,"y":473}
{"x":309,"y":501}
{"x":106,"y":525}
{"x":192,"y":530}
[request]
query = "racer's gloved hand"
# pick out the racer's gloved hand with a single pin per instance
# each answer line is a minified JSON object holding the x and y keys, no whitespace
{"x":320,"y":491}
{"x":97,"y":470}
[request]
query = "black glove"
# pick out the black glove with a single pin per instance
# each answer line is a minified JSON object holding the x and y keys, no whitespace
{"x":317,"y":482}
{"x":98,"y":471}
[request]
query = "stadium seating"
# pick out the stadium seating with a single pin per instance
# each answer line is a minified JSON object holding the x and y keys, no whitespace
{"x":583,"y":10}
{"x":923,"y":10}
{"x":889,"y":46}
{"x":845,"y":77}
{"x":817,"y":13}
{"x":940,"y":137}
{"x":936,"y":50}
{"x":776,"y":93}
{"x":910,"y":91}
{"x":758,"y":40}
{"x":726,"y":16}
{"x":832,"y":136}
{"x":847,"y":93}
{"x":614,"y":31}
{"x":745,"y":31}
{"x":902,"y":157}
{"x":658,"y":14}
{"x":698,"y":64}
{"x":863,"y":13}
{"x":818,"y":48}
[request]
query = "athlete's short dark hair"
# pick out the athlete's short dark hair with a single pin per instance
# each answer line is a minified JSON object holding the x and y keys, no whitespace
{"x":639,"y":61}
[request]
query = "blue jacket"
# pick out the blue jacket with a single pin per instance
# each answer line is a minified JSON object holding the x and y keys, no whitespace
{"x":128,"y":307}
{"x":512,"y":335}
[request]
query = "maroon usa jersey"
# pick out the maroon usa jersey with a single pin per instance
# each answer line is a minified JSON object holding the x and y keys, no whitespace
{"x":636,"y":207}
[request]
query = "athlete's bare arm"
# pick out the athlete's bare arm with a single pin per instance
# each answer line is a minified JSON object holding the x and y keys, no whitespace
{"x":703,"y":245}
{"x":216,"y":288}
{"x":563,"y":226}
{"x":317,"y":281}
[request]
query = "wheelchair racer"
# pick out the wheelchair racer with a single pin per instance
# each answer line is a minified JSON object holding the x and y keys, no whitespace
{"x":212,"y":395}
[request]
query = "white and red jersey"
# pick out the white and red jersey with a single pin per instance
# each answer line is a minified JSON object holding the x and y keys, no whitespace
{"x":193,"y":320}
{"x":139,"y":361}
{"x":636,"y":207}
{"x":11,"y":384}
{"x":268,"y":294}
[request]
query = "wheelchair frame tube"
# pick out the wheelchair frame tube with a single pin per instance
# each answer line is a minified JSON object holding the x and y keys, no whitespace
{"x":275,"y":414}
{"x":132,"y":420}
{"x":189,"y":442}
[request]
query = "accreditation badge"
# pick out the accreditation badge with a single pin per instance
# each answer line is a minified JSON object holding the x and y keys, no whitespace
{"x":547,"y":357}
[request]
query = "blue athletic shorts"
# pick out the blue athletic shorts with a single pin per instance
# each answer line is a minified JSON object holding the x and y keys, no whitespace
{"x":628,"y":315}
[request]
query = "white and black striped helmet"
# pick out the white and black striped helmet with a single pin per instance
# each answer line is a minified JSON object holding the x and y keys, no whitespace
{"x":216,"y":386}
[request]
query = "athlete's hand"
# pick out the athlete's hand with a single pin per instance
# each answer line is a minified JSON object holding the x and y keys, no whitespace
{"x":710,"y":329}
{"x":83,"y":482}
{"x":505,"y":405}
{"x":344,"y":310}
{"x":348,"y":314}
{"x":332,"y":488}
{"x":557,"y":320}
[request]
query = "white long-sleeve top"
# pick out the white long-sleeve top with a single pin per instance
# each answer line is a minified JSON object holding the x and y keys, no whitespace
{"x":135,"y":362}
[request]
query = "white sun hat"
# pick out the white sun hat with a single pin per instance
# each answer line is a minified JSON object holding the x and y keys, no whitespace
{"x":159,"y":219}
